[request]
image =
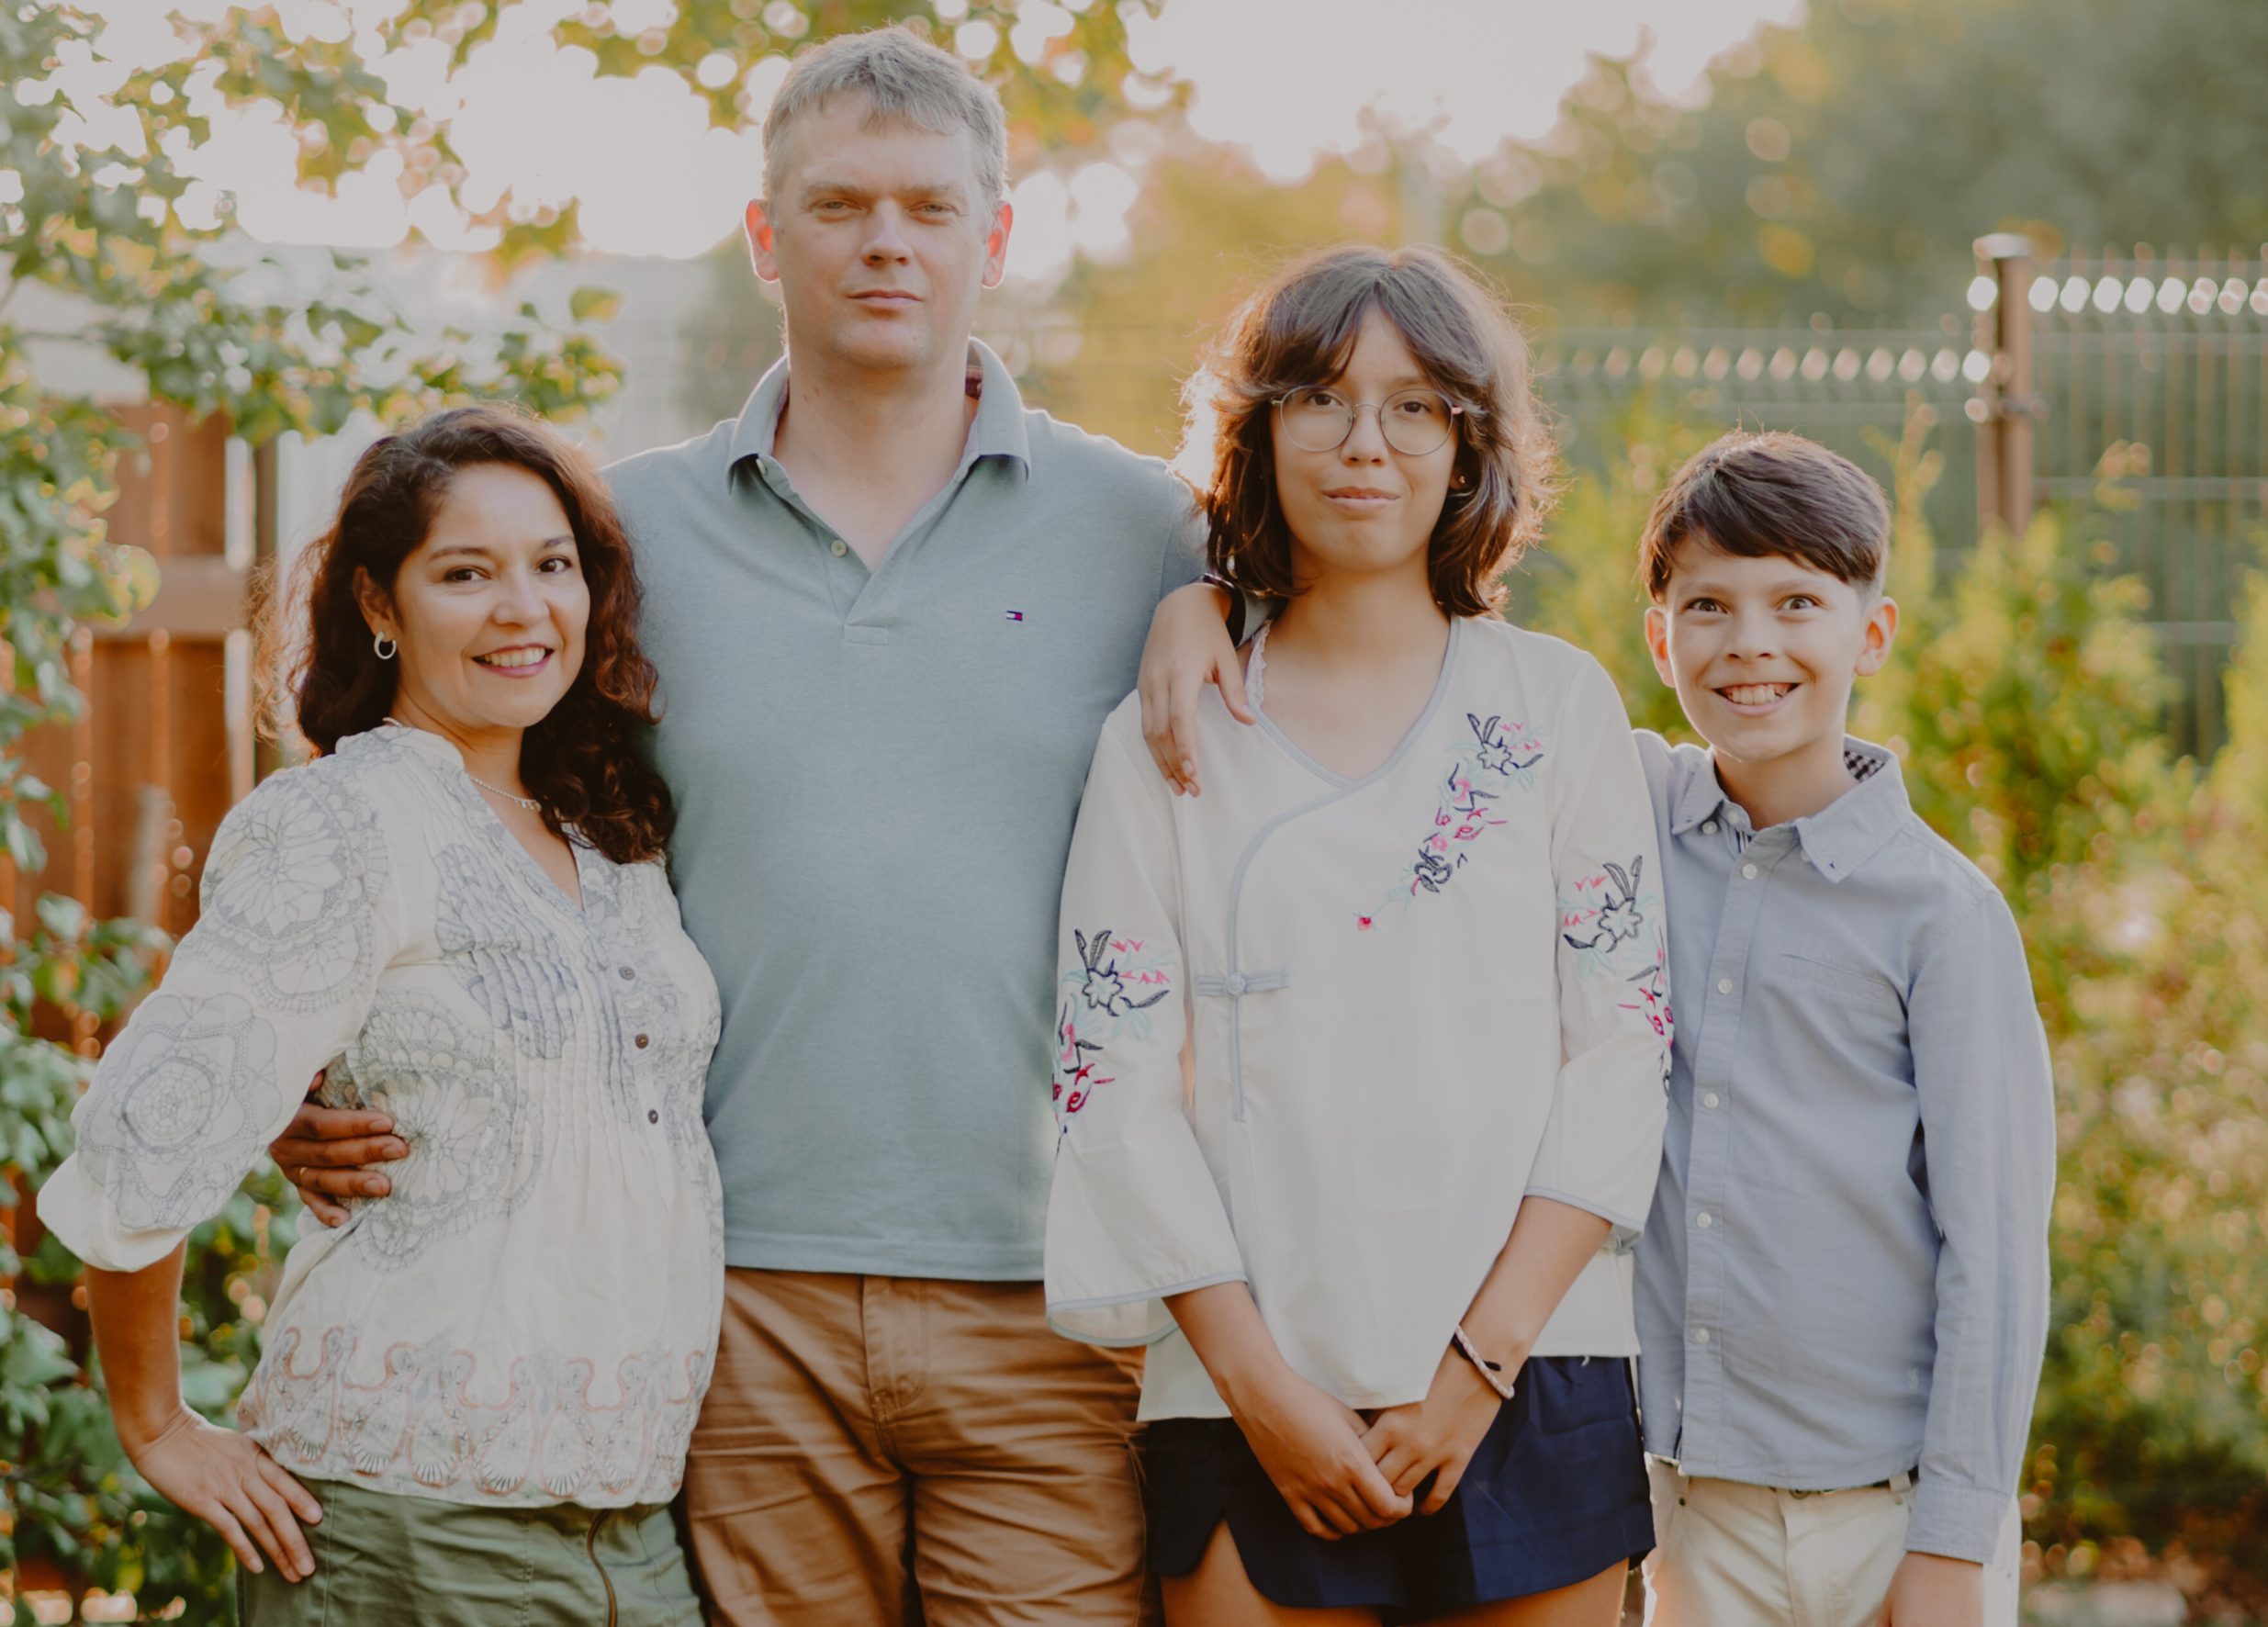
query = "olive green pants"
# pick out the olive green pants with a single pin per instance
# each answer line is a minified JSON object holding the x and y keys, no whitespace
{"x":385,"y":1560}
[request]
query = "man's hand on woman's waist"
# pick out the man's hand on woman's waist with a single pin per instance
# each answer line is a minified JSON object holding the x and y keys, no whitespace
{"x":326,"y":1154}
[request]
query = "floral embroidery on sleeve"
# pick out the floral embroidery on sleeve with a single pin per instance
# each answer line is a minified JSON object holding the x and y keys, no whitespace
{"x":1500,"y":758}
{"x":1105,"y":998}
{"x":1615,"y":930}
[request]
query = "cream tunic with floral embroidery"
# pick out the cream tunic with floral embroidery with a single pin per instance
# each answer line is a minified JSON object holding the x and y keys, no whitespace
{"x":1414,"y":997}
{"x":531,"y":1317}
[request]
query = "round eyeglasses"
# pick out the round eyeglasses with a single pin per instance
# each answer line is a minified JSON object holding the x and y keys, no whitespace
{"x":1414,"y":421}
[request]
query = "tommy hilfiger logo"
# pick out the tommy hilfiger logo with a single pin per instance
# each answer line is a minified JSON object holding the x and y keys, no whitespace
{"x":1016,"y":615}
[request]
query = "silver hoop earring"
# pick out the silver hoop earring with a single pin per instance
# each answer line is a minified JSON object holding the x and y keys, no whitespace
{"x":385,"y":647}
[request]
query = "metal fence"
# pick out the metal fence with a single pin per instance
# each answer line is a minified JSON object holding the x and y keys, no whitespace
{"x":2137,"y":384}
{"x":2153,"y":368}
{"x":1851,"y":389}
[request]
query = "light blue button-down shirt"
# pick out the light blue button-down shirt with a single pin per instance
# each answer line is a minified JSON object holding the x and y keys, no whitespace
{"x":1846,"y":1272}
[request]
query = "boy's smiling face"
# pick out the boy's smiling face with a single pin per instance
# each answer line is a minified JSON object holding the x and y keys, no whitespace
{"x":1763,"y":652}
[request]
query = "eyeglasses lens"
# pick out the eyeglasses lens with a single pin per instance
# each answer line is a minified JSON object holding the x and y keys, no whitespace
{"x":1413,"y":422}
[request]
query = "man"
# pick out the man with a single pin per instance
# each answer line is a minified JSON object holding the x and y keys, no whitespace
{"x":892,"y":606}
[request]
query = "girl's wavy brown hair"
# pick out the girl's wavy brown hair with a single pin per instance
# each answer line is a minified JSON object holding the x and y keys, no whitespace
{"x":581,"y":761}
{"x":1300,"y":328}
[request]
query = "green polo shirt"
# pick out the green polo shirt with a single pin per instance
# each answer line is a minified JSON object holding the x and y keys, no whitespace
{"x":876,"y":775}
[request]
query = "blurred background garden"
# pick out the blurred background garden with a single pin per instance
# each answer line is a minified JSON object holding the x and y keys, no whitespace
{"x":2008,"y":254}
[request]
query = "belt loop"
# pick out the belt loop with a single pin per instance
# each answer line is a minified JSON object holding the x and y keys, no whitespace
{"x":1901,"y":1487}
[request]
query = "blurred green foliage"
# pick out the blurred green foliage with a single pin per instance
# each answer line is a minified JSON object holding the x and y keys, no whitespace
{"x":1845,"y":164}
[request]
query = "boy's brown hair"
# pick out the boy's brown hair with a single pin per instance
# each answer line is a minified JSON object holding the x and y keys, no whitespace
{"x":1759,"y":494}
{"x":1298,"y":330}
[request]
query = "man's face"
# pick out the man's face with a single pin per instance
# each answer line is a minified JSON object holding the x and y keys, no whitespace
{"x":879,"y":241}
{"x":1763,"y":652}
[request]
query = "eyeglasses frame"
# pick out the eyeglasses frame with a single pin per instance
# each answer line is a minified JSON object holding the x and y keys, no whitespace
{"x":1355,"y":416}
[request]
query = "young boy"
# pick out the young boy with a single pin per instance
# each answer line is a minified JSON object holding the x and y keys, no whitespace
{"x":1842,"y":1290}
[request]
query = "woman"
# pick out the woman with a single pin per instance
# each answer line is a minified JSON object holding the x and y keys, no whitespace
{"x":1411,"y":936}
{"x":475,"y":1394}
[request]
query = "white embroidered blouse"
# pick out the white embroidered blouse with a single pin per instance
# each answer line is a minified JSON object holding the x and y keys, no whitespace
{"x":529,"y":1317}
{"x":1414,"y":997}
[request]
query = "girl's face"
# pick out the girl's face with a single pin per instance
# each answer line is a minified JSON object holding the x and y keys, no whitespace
{"x":1365,"y":507}
{"x":491,"y":609}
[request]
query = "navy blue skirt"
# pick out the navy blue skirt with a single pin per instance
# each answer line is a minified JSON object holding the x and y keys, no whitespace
{"x":1556,"y":1493}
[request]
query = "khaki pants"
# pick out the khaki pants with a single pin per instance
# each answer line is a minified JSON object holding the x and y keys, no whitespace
{"x":1730,"y":1554}
{"x":881,"y":1451}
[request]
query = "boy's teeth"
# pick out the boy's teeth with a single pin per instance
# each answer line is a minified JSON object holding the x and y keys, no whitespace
{"x":1754,"y":694}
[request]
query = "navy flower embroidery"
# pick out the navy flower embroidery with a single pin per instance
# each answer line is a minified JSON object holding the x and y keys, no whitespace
{"x":1500,"y":758}
{"x":1106,"y":995}
{"x":1612,"y":918}
{"x":1106,"y":988}
{"x":1502,"y":753}
{"x":1615,"y":931}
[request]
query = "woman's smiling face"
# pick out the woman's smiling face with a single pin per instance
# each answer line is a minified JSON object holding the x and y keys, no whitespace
{"x":491,"y":609}
{"x":1363,"y":507}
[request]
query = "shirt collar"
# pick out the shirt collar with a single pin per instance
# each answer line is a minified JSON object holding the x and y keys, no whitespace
{"x":997,"y":430}
{"x":1838,"y":838}
{"x":1852,"y":829}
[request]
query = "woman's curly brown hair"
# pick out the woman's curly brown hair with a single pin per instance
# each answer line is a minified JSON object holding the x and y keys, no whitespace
{"x":1300,"y":328}
{"x":581,"y":762}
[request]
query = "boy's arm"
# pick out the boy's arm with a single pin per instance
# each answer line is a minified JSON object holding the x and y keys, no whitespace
{"x":1187,"y":648}
{"x":1192,"y":642}
{"x":1987,"y":1099}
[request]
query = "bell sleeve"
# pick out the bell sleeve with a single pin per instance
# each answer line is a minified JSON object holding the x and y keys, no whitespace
{"x":1601,"y":1150}
{"x":1133,"y":1214}
{"x":296,"y":922}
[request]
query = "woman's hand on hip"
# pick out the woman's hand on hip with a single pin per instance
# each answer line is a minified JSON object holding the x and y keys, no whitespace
{"x":1436,"y":1436}
{"x":1311,"y":1446}
{"x":229,"y":1483}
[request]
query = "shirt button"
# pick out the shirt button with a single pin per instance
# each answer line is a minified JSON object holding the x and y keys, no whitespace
{"x":644,"y":1040}
{"x":838,"y":547}
{"x":628,"y":974}
{"x":1710,"y":1100}
{"x":1704,"y":1220}
{"x":1708,"y":827}
{"x":1701,"y":1336}
{"x":1747,"y":872}
{"x":653,"y":1115}
{"x":1724,"y":984}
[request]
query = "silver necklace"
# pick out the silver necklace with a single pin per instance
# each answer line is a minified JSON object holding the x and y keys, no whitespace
{"x":533,"y":804}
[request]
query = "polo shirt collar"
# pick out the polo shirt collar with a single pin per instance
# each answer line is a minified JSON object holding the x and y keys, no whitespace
{"x":1838,"y":839}
{"x":997,"y":430}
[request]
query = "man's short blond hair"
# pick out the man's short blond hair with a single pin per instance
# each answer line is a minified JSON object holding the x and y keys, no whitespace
{"x":905,"y":80}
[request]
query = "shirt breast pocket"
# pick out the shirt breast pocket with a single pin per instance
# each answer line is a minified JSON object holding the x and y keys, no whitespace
{"x":1846,"y":982}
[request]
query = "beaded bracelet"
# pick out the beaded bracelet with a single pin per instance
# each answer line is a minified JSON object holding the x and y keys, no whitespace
{"x":1492,"y":1373}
